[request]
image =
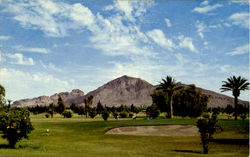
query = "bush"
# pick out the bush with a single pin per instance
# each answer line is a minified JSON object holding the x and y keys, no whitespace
{"x":131,"y":115}
{"x":92,"y":112}
{"x":207,"y":127}
{"x":123,"y":114}
{"x":115,"y":114}
{"x":47,"y":115}
{"x":15,"y":125}
{"x":67,"y":114}
{"x":153,"y":110}
{"x":243,"y":116}
{"x":105,"y":115}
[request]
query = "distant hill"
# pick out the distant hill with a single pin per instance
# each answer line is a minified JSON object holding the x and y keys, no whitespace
{"x":123,"y":90}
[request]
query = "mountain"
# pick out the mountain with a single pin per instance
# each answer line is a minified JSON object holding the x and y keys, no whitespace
{"x":75,"y":96}
{"x":123,"y":90}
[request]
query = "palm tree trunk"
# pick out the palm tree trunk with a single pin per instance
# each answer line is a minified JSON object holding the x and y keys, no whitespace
{"x":171,"y":107}
{"x":235,"y":107}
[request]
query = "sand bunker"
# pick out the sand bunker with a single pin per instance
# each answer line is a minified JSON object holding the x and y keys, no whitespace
{"x":163,"y":130}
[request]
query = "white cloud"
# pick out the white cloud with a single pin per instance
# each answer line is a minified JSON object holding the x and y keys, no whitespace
{"x":240,"y":19}
{"x":205,"y":2}
{"x":4,"y":37}
{"x":31,"y":49}
{"x":50,"y":67}
{"x":31,"y":84}
{"x":159,"y":38}
{"x":54,"y":19}
{"x":19,"y":59}
{"x":244,"y":49}
{"x":187,"y":42}
{"x":201,"y":27}
{"x":206,"y":9}
{"x":168,"y":22}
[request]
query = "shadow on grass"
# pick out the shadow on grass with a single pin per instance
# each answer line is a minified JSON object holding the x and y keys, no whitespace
{"x":6,"y":146}
{"x":231,"y":141}
{"x":188,"y":151}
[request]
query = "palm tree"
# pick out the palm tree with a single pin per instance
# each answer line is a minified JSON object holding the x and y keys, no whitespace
{"x":169,"y":85}
{"x":235,"y":85}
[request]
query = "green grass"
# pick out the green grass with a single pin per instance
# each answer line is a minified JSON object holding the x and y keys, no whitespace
{"x":86,"y":137}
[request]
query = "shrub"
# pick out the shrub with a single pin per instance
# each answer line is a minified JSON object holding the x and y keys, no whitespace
{"x":243,"y":116}
{"x":67,"y":114}
{"x":207,"y":127}
{"x":105,"y":115}
{"x":115,"y":114}
{"x":130,"y":115}
{"x":153,"y":110}
{"x":123,"y":114}
{"x":15,"y":125}
{"x":92,"y":112}
{"x":47,"y":115}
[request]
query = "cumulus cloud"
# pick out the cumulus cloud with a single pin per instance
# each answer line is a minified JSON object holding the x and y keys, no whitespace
{"x":31,"y":49}
{"x":19,"y":59}
{"x":31,"y":84}
{"x":187,"y":42}
{"x":240,"y":19}
{"x":244,"y":49}
{"x":41,"y":15}
{"x":2,"y":37}
{"x":206,"y":9}
{"x":159,"y":38}
{"x":168,"y":22}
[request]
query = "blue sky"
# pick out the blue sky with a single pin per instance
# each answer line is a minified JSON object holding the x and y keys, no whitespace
{"x":55,"y":46}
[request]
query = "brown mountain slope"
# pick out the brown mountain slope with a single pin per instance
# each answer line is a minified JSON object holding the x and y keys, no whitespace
{"x":75,"y":96}
{"x":123,"y":90}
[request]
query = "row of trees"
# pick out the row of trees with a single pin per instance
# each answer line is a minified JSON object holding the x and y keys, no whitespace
{"x":175,"y":99}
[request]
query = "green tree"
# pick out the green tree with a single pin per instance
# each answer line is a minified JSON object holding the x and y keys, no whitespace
{"x":61,"y":105}
{"x":15,"y":125}
{"x":51,"y":110}
{"x":207,"y":127}
{"x":100,"y":108}
{"x":189,"y":102}
{"x":2,"y":96}
{"x":235,"y":84}
{"x":88,"y":104}
{"x":169,"y":86}
{"x":92,"y":112}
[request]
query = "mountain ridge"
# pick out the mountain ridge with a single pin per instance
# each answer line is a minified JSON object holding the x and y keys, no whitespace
{"x":122,"y":90}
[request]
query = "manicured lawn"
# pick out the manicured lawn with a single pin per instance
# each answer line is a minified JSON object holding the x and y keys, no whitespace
{"x":86,"y":137}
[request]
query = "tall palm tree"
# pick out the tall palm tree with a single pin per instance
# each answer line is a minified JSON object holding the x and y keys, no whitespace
{"x":169,"y":85}
{"x":235,"y":85}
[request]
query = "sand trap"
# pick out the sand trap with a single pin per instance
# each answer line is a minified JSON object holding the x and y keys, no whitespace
{"x":163,"y":130}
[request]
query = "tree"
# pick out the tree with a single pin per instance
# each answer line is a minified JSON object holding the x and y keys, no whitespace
{"x":169,"y":86}
{"x":100,"y":108}
{"x":189,"y":102}
{"x":153,"y":110}
{"x":88,"y":104}
{"x":229,"y":109}
{"x":235,"y":84}
{"x":207,"y":127}
{"x":2,"y":95}
{"x":61,"y":105}
{"x":51,"y":110}
{"x":92,"y":112}
{"x":15,"y":125}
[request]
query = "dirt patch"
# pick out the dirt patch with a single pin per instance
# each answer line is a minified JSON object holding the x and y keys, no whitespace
{"x":163,"y":130}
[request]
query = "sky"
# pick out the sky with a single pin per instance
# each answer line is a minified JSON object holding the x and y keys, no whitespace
{"x":54,"y":46}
